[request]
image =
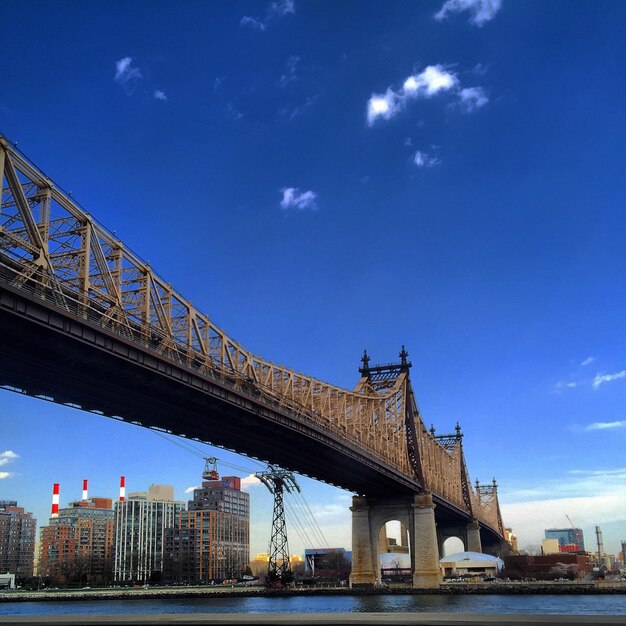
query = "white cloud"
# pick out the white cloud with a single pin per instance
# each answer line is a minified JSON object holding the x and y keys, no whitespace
{"x":385,"y":106}
{"x":421,"y":159}
{"x":293,"y":199}
{"x":588,"y":361}
{"x":431,"y":81}
{"x":599,"y":379}
{"x":191,"y":489}
{"x":7,"y":456}
{"x":250,"y":481}
{"x":160,"y":95}
{"x":291,"y":71}
{"x":275,"y":11}
{"x":473,"y":98}
{"x":126,"y":75}
{"x":606,"y":425}
{"x":482,"y":10}
{"x":5,"y":475}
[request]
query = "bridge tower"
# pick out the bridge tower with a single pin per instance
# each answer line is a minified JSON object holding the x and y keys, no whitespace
{"x":415,"y":512}
{"x":278,"y":481}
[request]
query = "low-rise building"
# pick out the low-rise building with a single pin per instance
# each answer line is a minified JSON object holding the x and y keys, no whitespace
{"x":548,"y":567}
{"x":470,"y":564}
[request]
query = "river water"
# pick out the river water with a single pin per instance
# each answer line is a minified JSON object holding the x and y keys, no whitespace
{"x":547,"y":604}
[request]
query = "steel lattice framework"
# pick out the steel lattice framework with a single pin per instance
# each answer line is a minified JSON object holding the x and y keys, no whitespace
{"x":51,"y":246}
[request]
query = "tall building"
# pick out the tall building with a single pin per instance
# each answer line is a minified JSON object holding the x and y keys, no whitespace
{"x":77,"y":543}
{"x":570,"y":539}
{"x":17,"y":540}
{"x":212,"y":539}
{"x":624,"y":553}
{"x":140,"y":525}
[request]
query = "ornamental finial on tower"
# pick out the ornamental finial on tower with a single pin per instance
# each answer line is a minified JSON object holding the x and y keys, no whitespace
{"x":403,"y":355}
{"x":432,"y":430}
{"x":457,"y":428}
{"x":365,"y":359}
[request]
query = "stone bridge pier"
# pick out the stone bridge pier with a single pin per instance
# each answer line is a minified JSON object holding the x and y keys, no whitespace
{"x":469,"y":534}
{"x":417,"y":514}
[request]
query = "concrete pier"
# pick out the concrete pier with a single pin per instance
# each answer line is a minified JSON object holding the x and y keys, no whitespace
{"x":417,"y":515}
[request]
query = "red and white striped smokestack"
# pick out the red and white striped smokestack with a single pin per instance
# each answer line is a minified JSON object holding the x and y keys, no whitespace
{"x":122,"y":489}
{"x":55,"y":501}
{"x":84,"y":490}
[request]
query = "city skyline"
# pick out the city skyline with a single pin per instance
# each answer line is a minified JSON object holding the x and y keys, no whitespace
{"x":417,"y":181}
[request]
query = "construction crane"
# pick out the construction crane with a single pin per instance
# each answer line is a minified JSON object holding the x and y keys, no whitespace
{"x":278,"y":480}
{"x":570,"y":521}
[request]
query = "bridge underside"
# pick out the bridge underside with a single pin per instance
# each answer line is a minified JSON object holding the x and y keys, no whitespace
{"x":72,"y":362}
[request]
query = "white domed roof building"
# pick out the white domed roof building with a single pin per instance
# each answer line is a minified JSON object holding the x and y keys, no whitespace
{"x":470,"y":564}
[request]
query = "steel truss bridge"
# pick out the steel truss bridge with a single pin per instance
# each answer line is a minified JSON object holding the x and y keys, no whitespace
{"x":85,"y":322}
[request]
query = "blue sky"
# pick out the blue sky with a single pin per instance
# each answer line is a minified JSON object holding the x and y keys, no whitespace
{"x":320,"y":178}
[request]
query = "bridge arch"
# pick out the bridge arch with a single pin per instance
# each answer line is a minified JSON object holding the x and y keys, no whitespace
{"x":452,"y":545}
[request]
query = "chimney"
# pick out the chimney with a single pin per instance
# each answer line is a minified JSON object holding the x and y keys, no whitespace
{"x":84,"y":490}
{"x":600,"y":546}
{"x":55,"y":501}
{"x":122,"y":489}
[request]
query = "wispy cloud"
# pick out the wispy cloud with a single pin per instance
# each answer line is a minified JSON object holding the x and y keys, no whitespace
{"x":472,"y":98}
{"x":619,"y":472}
{"x":421,"y":159}
{"x":566,"y":385}
{"x":275,"y":11}
{"x":294,"y":199}
{"x":252,"y":22}
{"x":126,"y":75}
{"x":191,"y":489}
{"x":7,"y":456}
{"x":482,"y":10}
{"x":282,"y":7}
{"x":291,"y":71}
{"x":233,"y":111}
{"x":250,"y":481}
{"x":159,"y":95}
{"x":600,"y":379}
{"x":606,"y":425}
{"x":291,"y":112}
{"x":588,"y":361}
{"x":432,"y":80}
{"x":5,"y":475}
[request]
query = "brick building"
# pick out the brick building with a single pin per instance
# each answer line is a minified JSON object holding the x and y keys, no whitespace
{"x":547,"y":567}
{"x":211,"y":540}
{"x":77,"y":545}
{"x":17,"y":540}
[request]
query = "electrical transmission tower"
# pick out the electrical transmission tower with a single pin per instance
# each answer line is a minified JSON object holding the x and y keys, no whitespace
{"x":277,"y":481}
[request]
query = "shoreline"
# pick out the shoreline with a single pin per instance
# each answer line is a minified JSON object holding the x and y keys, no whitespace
{"x":79,"y":595}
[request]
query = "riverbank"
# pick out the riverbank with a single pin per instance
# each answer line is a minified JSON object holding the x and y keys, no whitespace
{"x":320,"y":619}
{"x":536,"y":588}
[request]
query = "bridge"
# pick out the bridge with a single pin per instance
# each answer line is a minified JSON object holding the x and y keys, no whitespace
{"x":87,"y":323}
